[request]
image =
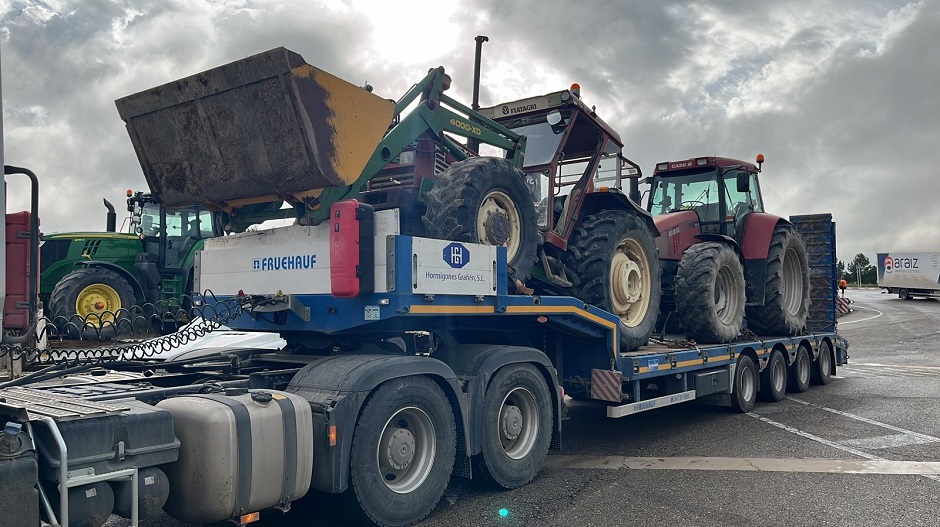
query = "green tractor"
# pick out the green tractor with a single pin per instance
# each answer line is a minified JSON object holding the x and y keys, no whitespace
{"x":92,"y":279}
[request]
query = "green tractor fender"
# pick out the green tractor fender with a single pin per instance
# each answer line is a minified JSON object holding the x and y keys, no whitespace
{"x":131,"y":279}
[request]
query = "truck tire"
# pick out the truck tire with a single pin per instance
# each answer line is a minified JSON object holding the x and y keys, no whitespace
{"x":744,"y":395}
{"x":485,"y":200}
{"x":403,"y":451}
{"x":710,"y":293}
{"x":773,"y":380}
{"x":92,"y":303}
{"x":613,"y":265}
{"x":800,"y":371}
{"x":785,"y":306}
{"x":822,"y":366}
{"x":904,"y":294}
{"x":517,"y":426}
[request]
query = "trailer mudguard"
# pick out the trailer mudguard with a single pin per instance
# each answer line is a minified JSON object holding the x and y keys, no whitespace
{"x":476,"y":364}
{"x":338,"y":386}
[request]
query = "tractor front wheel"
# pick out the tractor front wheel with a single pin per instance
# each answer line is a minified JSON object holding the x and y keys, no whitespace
{"x":92,"y":303}
{"x":614,"y":266}
{"x":485,"y":200}
{"x":710,"y":293}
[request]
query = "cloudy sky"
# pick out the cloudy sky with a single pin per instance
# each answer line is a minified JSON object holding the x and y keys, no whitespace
{"x":841,"y":97}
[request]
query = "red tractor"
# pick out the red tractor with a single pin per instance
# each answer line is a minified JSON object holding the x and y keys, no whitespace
{"x":722,"y":256}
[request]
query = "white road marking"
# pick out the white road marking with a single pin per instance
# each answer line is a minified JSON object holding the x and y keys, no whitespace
{"x":833,"y":444}
{"x":863,"y":319}
{"x":925,"y":437}
{"x":887,"y":441}
{"x":748,"y":464}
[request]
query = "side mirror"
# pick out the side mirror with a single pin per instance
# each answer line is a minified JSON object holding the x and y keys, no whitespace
{"x":744,"y":182}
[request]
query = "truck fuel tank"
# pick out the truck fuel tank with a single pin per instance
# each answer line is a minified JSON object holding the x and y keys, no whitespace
{"x":264,"y":128}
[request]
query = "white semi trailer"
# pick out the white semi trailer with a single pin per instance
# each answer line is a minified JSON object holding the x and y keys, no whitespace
{"x":910,"y":274}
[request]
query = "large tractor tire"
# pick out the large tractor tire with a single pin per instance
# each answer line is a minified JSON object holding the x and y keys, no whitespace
{"x":485,"y":200}
{"x":613,"y":265}
{"x":710,"y":293}
{"x":92,"y":303}
{"x":785,"y":306}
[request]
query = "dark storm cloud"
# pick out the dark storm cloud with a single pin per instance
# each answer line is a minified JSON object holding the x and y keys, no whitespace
{"x":837,"y":95}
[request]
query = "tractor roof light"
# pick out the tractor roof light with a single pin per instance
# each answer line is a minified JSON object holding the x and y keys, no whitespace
{"x":702,"y":161}
{"x":662,"y":166}
{"x":760,"y":161}
{"x":576,"y":90}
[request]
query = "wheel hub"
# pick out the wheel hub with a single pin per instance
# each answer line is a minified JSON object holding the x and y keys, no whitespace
{"x":512,"y":422}
{"x":496,"y":226}
{"x":627,"y":280}
{"x":401,"y":449}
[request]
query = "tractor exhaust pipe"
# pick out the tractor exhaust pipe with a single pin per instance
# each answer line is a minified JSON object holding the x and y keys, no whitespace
{"x":111,"y":218}
{"x":474,"y":144}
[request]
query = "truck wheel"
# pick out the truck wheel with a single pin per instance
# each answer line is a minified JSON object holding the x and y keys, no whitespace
{"x":745,"y":385}
{"x":517,"y":426}
{"x":822,"y":366}
{"x":92,"y":303}
{"x":773,"y":380}
{"x":402,"y":451}
{"x":903,"y":294}
{"x":798,"y":378}
{"x":485,"y":200}
{"x":710,"y":293}
{"x":615,"y":268}
{"x":785,"y":306}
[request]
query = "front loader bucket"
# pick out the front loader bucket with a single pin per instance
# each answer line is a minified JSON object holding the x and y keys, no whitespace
{"x":265,"y":128}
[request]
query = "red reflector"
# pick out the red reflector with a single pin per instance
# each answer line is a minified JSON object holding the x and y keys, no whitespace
{"x":542,"y":319}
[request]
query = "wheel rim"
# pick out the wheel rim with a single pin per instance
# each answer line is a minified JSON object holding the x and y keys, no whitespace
{"x":727,"y":301}
{"x":518,"y":423}
{"x":630,"y":282}
{"x":499,"y":222}
{"x":779,"y":377}
{"x":97,"y":303}
{"x":406,"y":450}
{"x":748,"y":387}
{"x":792,"y":286}
{"x":824,"y":361}
{"x":803,"y":367}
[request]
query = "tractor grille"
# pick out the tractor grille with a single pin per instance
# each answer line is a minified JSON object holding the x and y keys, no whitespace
{"x":91,"y":247}
{"x":440,"y":162}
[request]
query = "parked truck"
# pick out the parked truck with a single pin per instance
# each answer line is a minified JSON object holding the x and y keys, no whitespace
{"x":356,"y":404}
{"x":910,"y":274}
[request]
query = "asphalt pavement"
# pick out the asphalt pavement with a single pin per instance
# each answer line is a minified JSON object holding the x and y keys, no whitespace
{"x":862,"y":450}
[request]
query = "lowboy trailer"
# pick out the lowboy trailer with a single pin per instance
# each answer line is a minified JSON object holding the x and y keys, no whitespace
{"x":408,"y":363}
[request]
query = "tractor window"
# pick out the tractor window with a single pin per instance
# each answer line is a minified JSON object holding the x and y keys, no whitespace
{"x":542,"y":142}
{"x":206,"y":224}
{"x":150,"y":219}
{"x":608,"y":170}
{"x":698,"y":192}
{"x":739,"y":203}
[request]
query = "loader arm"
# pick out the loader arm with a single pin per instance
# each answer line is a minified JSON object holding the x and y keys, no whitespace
{"x":435,"y":115}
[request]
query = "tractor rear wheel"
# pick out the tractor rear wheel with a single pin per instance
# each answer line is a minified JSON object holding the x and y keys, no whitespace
{"x":485,"y":200}
{"x":785,"y":306}
{"x":614,"y":266}
{"x":92,"y":303}
{"x":710,"y":293}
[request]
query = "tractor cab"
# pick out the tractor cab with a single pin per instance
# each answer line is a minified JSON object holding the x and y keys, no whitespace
{"x":720,"y":191}
{"x":570,"y":154}
{"x":170,"y":235}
